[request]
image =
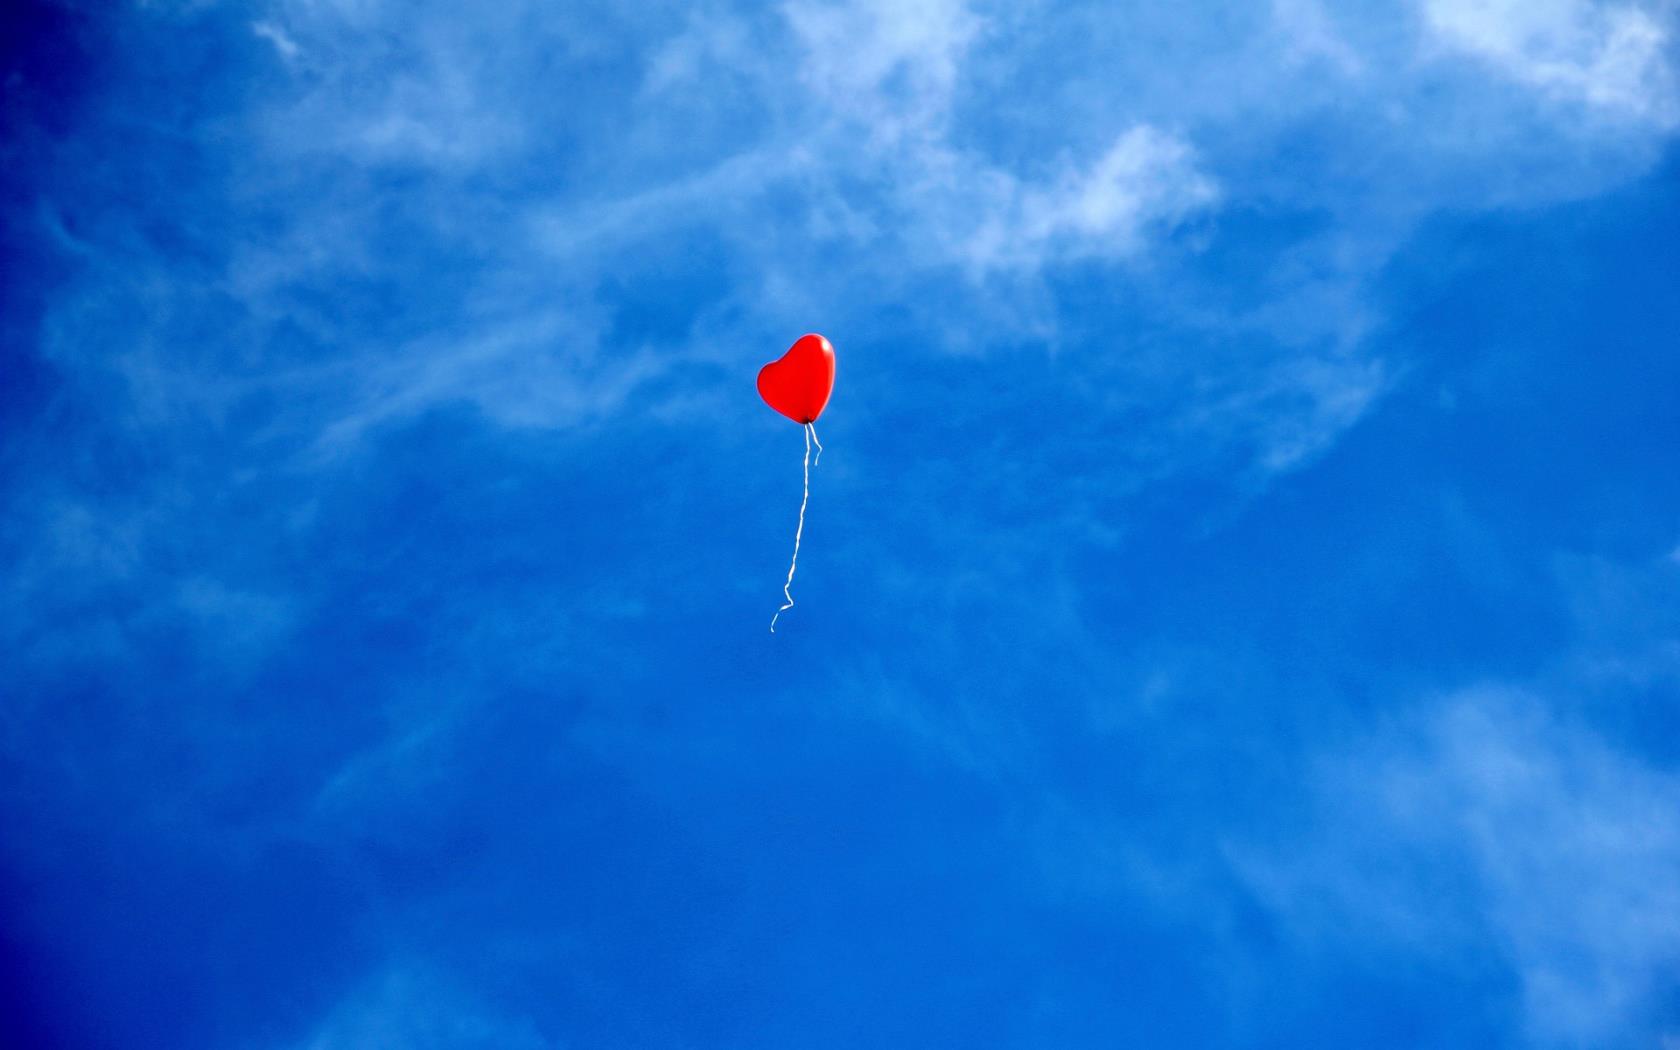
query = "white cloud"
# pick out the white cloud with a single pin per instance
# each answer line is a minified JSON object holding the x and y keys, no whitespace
{"x":1322,"y":398}
{"x":419,"y":91}
{"x":241,"y":623}
{"x":1310,"y":33}
{"x":84,"y":552}
{"x":886,"y":81}
{"x":849,"y":157}
{"x":415,"y":1006}
{"x":282,"y":41}
{"x":532,"y":370}
{"x":1486,"y":824}
{"x":707,"y":41}
{"x":1146,"y":182}
{"x":894,"y":67}
{"x":1614,"y":57}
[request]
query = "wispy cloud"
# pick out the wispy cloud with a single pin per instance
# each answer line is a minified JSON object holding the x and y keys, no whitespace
{"x":389,"y":507}
{"x":892,"y":70}
{"x":1612,"y":56}
{"x":1569,"y":846}
{"x":849,"y":161}
{"x":272,"y":33}
{"x":411,"y":1005}
{"x":1145,"y":182}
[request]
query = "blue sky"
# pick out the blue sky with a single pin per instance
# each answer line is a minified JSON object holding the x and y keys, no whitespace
{"x":1238,"y":604}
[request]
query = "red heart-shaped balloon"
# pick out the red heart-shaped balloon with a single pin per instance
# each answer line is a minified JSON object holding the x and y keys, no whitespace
{"x":799,"y":382}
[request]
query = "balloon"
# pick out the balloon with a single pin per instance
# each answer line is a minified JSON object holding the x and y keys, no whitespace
{"x":799,"y":383}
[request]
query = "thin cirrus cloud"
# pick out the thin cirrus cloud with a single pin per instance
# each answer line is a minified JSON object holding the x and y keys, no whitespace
{"x":875,"y":150}
{"x":882,"y":172}
{"x":1564,"y":842}
{"x":1612,"y":57}
{"x":1225,"y":547}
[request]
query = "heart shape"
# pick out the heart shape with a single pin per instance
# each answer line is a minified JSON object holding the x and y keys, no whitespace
{"x":798,"y":383}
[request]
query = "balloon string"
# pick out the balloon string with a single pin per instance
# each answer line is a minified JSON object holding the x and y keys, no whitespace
{"x":787,"y":588}
{"x":812,"y":427}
